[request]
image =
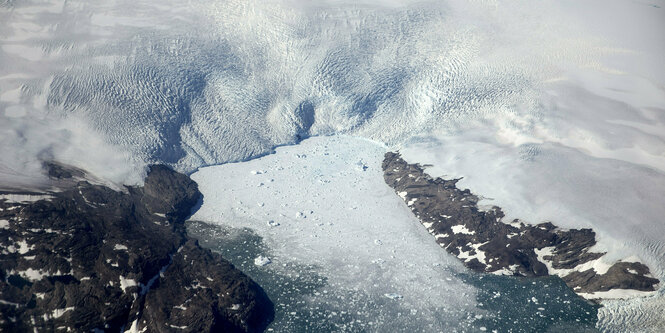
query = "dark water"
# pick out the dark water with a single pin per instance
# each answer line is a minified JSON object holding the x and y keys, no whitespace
{"x":505,"y":304}
{"x":531,"y":305}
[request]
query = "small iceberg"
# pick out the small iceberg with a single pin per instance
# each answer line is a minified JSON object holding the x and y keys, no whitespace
{"x":262,"y":261}
{"x":393,"y":296}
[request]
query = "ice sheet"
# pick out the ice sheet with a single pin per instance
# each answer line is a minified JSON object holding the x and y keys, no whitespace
{"x":236,"y":78}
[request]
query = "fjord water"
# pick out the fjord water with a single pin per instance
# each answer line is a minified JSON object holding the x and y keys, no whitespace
{"x":504,"y":304}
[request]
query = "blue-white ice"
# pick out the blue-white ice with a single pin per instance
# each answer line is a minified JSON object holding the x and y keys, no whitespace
{"x":211,"y":82}
{"x":556,"y":109}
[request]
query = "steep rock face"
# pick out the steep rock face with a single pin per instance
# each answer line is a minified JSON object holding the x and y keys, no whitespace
{"x":484,"y":243}
{"x":89,"y":257}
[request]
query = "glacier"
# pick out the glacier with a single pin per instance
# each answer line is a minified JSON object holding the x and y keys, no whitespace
{"x":554,"y":110}
{"x":237,"y":78}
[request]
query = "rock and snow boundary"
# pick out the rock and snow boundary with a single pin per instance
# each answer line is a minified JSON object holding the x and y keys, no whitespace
{"x":485,"y":243}
{"x":89,"y":258}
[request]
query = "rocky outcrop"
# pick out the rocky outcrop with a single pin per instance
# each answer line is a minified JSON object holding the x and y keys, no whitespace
{"x":92,"y":258}
{"x":485,"y":243}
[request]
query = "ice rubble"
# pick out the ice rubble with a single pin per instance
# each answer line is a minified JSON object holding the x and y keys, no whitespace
{"x":356,"y":229}
{"x":262,"y":261}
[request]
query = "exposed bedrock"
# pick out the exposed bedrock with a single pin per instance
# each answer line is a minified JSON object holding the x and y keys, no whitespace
{"x":89,"y":257}
{"x":485,"y":243}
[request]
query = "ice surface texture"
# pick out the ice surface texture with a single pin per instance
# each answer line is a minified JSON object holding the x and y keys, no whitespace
{"x":213,"y":82}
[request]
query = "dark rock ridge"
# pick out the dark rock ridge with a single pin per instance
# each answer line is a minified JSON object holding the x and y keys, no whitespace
{"x":90,"y":258}
{"x":486,"y":244}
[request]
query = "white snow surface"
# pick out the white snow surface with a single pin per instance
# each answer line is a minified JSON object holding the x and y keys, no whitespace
{"x":109,"y":86}
{"x":617,"y":294}
{"x":461,"y":229}
{"x":127,"y":283}
{"x":347,"y":211}
{"x":57,"y":313}
{"x":33,"y":274}
{"x":598,"y":265}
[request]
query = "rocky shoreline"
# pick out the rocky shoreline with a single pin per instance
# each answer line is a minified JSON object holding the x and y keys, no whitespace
{"x":484,"y":243}
{"x":90,"y":258}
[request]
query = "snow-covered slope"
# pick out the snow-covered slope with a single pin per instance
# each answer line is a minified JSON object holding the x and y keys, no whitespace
{"x":547,"y":182}
{"x":211,"y":82}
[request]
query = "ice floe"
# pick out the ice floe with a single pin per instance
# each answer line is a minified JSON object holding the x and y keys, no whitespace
{"x":362,"y":237}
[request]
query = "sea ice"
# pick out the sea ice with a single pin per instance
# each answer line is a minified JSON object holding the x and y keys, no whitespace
{"x":357,"y":211}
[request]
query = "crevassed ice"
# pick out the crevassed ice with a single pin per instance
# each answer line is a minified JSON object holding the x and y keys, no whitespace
{"x":239,"y":77}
